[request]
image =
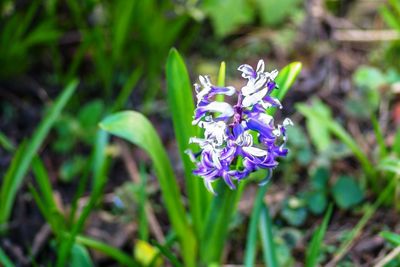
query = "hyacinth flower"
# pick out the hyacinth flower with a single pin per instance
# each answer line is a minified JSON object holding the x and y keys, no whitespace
{"x":239,"y":139}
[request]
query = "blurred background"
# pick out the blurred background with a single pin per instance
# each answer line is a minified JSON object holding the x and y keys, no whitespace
{"x":350,"y":51}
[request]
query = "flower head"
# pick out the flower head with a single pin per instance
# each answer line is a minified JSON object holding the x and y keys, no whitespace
{"x":239,"y":139}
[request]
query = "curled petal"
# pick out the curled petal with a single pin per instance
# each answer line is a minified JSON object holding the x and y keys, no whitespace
{"x":228,"y":181}
{"x":250,"y":100}
{"x":260,"y":66}
{"x":229,"y":90}
{"x":209,"y":187}
{"x":254,"y":151}
{"x":223,"y":108}
{"x":273,"y":74}
{"x":247,"y":71}
{"x":261,"y":127}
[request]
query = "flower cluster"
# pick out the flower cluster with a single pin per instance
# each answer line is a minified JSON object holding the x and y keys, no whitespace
{"x":237,"y":139}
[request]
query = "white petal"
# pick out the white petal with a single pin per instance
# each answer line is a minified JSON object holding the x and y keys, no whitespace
{"x":260,"y":66}
{"x":249,"y":88}
{"x":215,"y":159}
{"x":231,"y":91}
{"x":224,"y":108}
{"x":205,"y":81}
{"x":257,"y":152}
{"x":209,"y":186}
{"x":272,"y":75}
{"x":191,"y":155}
{"x":254,"y":98}
{"x":265,"y":118}
{"x":261,"y":80}
{"x":287,"y":122}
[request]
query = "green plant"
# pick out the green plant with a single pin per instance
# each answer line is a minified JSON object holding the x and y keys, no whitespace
{"x":20,"y":37}
{"x":198,"y":240}
{"x":25,"y":153}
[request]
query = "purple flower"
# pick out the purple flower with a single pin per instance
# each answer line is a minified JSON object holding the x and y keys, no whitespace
{"x":239,"y":139}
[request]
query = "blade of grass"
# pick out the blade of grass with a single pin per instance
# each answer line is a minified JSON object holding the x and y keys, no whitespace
{"x":4,"y":260}
{"x":114,"y":253}
{"x":379,"y":137}
{"x":124,"y":14}
{"x":396,"y":143}
{"x":216,"y":224}
{"x":169,"y":241}
{"x":9,"y":174}
{"x":12,"y":182}
{"x":267,"y":238}
{"x":42,"y":206}
{"x":314,"y":249}
{"x":6,"y":143}
{"x":285,"y":79}
{"x":251,"y":240}
{"x":55,"y":219}
{"x":180,"y":101}
{"x":349,"y":241}
{"x":221,"y":80}
{"x":345,"y":137}
{"x":100,"y":168}
{"x":391,"y":237}
{"x":168,"y":254}
{"x":126,"y":90}
{"x":137,"y":129}
{"x":143,"y":223}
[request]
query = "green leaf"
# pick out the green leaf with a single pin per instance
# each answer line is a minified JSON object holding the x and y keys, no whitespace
{"x":368,"y":81}
{"x":226,"y":16}
{"x":168,"y":254}
{"x":286,"y":77}
{"x":391,"y":237}
{"x":126,"y":90}
{"x":6,"y":143}
{"x":72,"y":168}
{"x":15,"y":176}
{"x":380,"y":139}
{"x":369,"y":212}
{"x":100,"y":164}
{"x":319,"y":133}
{"x":118,"y":255}
{"x":180,"y":101}
{"x":221,"y":80}
{"x":216,"y":226}
{"x":369,"y":77}
{"x":89,"y":115}
{"x":80,"y":257}
{"x":4,"y":260}
{"x":320,"y":178}
{"x":267,"y":238}
{"x":51,"y":213}
{"x":251,"y":239}
{"x":137,"y":129}
{"x":346,"y":192}
{"x":314,"y":249}
{"x":390,"y":164}
{"x":396,"y":143}
{"x":316,"y":202}
{"x":390,"y":18}
{"x":294,"y":212}
{"x":121,"y":20}
{"x":275,"y":12}
{"x":336,"y":129}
